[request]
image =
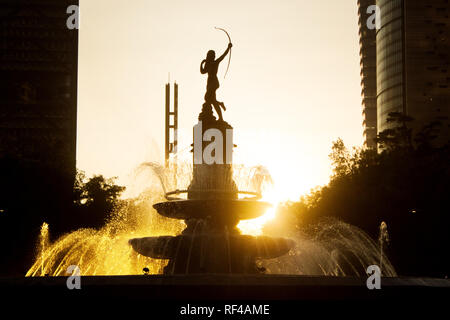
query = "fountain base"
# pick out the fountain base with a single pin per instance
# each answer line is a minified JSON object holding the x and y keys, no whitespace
{"x":218,"y":252}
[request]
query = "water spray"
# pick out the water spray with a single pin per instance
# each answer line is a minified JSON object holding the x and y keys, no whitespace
{"x":383,"y":238}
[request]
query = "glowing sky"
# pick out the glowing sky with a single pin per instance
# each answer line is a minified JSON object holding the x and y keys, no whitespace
{"x":293,"y":84}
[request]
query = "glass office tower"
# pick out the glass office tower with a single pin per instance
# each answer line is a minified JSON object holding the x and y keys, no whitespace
{"x":412,"y":48}
{"x":367,"y":41}
{"x":389,"y":47}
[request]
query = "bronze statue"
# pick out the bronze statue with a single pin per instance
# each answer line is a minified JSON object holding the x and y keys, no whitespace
{"x":210,"y":66}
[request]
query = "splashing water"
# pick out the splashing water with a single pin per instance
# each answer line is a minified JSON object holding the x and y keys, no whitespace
{"x":44,"y":242}
{"x":106,"y":251}
{"x":332,"y":248}
{"x":382,"y":239}
{"x":178,"y":176}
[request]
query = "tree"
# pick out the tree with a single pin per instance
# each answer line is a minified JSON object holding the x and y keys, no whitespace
{"x":95,"y":199}
{"x":399,"y":136}
{"x":340,"y":158}
{"x":406,"y":185}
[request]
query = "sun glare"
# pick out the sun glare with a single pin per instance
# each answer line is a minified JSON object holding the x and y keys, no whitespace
{"x":273,"y":196}
{"x":291,"y":181}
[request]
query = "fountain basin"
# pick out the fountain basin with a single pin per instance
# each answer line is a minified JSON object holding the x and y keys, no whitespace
{"x":212,"y":252}
{"x":223,"y":209}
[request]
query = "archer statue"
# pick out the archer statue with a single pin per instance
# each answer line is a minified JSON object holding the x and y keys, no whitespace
{"x":210,"y":66}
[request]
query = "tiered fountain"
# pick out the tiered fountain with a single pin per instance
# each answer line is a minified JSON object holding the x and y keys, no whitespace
{"x":212,"y":209}
{"x":212,"y":243}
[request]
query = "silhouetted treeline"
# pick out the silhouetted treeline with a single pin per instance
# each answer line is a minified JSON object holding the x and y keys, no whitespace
{"x":406,"y":184}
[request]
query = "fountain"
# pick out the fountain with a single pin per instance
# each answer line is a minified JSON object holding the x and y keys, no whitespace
{"x":211,"y":242}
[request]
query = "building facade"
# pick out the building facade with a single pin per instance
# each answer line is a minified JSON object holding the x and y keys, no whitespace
{"x":38,"y":74}
{"x":38,"y":117}
{"x":389,"y":46}
{"x":427,"y":62}
{"x":367,"y":41}
{"x":411,"y":60}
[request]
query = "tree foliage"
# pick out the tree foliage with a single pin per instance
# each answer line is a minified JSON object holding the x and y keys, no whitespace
{"x":95,"y":199}
{"x":406,"y":184}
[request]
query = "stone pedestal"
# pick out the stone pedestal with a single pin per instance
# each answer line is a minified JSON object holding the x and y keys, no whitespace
{"x":212,"y":158}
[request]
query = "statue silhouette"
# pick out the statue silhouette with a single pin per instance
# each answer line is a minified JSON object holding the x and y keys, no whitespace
{"x":210,"y":66}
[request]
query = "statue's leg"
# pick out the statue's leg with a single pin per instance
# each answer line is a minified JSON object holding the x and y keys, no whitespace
{"x":223,"y":106}
{"x":218,"y":110}
{"x":213,"y":100}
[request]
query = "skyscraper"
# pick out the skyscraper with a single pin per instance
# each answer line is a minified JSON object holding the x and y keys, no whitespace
{"x":38,"y":113}
{"x":367,"y":41}
{"x":38,"y":74}
{"x":412,"y":61}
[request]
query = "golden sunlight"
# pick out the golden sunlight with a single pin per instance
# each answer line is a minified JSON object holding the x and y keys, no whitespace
{"x":291,"y":181}
{"x":274,"y":195}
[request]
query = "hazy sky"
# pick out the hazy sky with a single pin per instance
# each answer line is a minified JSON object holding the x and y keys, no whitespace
{"x":293,"y":85}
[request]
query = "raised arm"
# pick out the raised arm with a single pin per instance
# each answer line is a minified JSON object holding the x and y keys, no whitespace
{"x":225,"y":53}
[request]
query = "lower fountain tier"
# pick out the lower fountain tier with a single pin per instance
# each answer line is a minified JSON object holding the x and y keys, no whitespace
{"x":212,"y":253}
{"x":224,"y":210}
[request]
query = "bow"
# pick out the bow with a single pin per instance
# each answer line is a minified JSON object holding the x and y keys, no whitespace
{"x":229,"y":59}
